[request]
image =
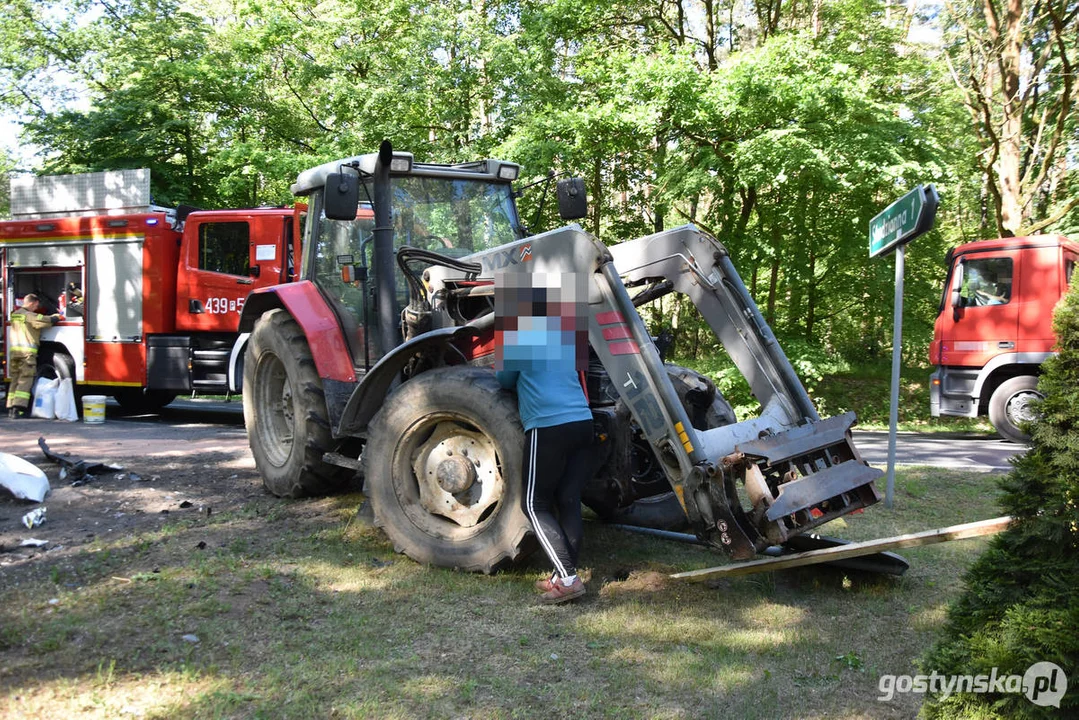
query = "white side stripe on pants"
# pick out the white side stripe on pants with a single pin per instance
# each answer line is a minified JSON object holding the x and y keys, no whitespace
{"x":531,"y":490}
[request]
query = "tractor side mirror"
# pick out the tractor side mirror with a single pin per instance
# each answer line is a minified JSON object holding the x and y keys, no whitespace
{"x":572,"y":199}
{"x":342,"y":196}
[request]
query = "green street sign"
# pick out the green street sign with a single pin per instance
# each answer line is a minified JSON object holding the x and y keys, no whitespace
{"x":902,"y":221}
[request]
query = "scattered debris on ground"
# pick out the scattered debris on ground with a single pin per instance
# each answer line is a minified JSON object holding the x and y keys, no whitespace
{"x":77,"y":472}
{"x":117,"y":495}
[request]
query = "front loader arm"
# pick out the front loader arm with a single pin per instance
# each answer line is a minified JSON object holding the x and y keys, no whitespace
{"x":796,"y":471}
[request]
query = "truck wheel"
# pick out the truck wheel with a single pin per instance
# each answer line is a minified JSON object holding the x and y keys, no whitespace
{"x":139,"y":400}
{"x":442,"y":469}
{"x":55,"y":365}
{"x":1011,"y":405}
{"x":285,"y":411}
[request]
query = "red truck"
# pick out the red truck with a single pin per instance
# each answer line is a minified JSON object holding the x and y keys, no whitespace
{"x":151,"y":298}
{"x":994,"y":328}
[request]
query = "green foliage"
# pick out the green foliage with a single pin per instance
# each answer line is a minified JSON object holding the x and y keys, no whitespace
{"x":781,"y":132}
{"x":1021,"y":603}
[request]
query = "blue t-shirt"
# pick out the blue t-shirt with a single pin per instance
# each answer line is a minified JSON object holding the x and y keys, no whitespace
{"x":547,"y":397}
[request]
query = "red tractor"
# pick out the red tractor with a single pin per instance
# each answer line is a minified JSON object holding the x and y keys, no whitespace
{"x":378,"y":361}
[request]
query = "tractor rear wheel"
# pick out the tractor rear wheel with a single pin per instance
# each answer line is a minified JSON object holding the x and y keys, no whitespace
{"x":285,"y":411}
{"x":442,"y":469}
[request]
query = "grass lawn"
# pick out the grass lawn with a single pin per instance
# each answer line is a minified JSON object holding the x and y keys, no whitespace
{"x":303,"y":611}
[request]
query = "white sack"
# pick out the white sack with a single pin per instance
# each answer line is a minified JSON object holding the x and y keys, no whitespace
{"x":64,"y":405}
{"x":44,"y":398}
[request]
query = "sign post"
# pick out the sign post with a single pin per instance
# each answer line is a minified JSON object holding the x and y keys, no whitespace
{"x":899,"y":223}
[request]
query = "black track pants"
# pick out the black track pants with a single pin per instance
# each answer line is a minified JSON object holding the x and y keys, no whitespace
{"x":556,"y":462}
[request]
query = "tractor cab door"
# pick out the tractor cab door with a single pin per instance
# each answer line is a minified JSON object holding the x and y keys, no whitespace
{"x":343,"y":269}
{"x":224,"y":256}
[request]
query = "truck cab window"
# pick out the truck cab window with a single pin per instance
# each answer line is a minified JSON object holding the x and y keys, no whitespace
{"x":986,"y":282}
{"x":224,"y":247}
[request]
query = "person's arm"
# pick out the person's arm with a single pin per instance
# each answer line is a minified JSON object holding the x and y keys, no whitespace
{"x":507,"y":378}
{"x":39,"y":322}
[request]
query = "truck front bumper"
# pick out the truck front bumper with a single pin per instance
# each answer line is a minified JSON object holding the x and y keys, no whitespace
{"x":951,"y":392}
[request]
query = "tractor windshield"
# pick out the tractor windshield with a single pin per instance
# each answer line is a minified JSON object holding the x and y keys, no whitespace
{"x":453,"y":217}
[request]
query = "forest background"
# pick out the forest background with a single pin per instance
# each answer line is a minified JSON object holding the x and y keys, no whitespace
{"x":779,"y":127}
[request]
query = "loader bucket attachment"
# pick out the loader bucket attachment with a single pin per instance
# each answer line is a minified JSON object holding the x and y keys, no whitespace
{"x":785,"y":484}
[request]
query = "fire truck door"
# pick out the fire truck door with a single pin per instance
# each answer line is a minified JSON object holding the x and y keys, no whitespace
{"x":221,"y":262}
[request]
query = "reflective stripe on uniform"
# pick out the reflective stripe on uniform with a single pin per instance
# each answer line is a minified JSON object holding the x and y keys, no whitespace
{"x":24,"y":349}
{"x":20,"y":395}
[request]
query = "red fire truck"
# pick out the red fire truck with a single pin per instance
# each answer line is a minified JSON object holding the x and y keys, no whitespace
{"x":151,"y":298}
{"x":994,"y":328}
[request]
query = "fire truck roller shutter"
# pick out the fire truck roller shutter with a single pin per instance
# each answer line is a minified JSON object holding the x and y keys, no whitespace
{"x":114,"y":291}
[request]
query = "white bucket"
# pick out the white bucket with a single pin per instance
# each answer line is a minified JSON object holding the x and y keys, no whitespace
{"x":93,"y":409}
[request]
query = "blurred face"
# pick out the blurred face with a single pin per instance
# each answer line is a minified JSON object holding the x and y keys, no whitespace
{"x":31,"y":305}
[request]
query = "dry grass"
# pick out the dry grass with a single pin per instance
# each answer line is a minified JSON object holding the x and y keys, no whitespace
{"x":300,"y":611}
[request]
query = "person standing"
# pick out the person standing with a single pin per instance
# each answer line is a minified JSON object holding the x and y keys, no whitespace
{"x":558,"y":440}
{"x":26,"y":326}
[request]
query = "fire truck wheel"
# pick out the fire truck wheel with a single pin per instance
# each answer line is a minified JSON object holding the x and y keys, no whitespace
{"x":55,"y":365}
{"x":1011,"y":405}
{"x":442,"y":469}
{"x":285,"y":411}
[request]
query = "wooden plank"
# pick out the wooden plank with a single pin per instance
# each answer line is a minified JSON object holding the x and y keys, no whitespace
{"x":866,"y":547}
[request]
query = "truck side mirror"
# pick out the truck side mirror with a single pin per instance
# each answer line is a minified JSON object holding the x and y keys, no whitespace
{"x":572,"y":199}
{"x":956,"y":289}
{"x":254,"y":271}
{"x":342,"y":196}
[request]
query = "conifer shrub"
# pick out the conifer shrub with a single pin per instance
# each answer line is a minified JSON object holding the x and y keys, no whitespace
{"x":1020,"y":604}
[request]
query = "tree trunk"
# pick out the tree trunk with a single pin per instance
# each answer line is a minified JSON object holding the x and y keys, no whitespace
{"x":1011,"y":130}
{"x":597,"y":194}
{"x":811,"y":299}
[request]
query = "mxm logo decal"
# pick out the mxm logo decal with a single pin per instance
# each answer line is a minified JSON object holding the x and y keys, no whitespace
{"x":505,"y":258}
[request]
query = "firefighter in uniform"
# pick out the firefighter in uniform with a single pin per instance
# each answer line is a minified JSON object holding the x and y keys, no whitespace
{"x":26,"y":327}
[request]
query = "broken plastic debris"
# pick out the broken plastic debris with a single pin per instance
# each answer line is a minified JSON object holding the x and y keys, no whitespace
{"x":190,"y":638}
{"x":34,"y":518}
{"x":186,"y":504}
{"x":33,"y":542}
{"x":22,"y":479}
{"x":77,"y":471}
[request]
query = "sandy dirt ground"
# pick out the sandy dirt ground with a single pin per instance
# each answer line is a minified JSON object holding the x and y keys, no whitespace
{"x":168,"y":469}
